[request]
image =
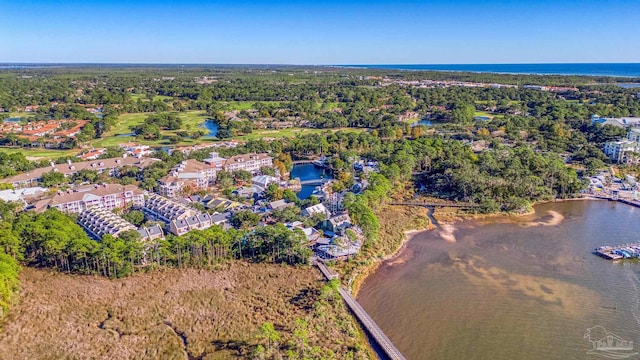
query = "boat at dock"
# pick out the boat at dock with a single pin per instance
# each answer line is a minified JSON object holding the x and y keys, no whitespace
{"x":627,"y":251}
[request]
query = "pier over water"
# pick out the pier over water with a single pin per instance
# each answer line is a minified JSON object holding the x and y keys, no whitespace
{"x":376,"y":334}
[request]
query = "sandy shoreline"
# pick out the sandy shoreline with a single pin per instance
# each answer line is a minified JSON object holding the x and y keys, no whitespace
{"x":446,"y":222}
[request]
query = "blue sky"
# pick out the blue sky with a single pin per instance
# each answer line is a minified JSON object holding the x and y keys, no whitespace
{"x":319,"y":32}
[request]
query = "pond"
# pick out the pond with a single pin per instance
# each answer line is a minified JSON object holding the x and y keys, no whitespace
{"x":423,"y":122}
{"x":211,"y":126}
{"x":307,"y":172}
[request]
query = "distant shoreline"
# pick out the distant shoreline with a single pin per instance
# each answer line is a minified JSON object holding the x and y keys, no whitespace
{"x":620,"y":70}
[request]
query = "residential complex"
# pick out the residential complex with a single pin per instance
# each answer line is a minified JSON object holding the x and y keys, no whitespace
{"x":623,"y":122}
{"x":620,"y":151}
{"x":248,"y":162}
{"x":34,"y":131}
{"x":98,"y":222}
{"x":178,"y":218}
{"x":107,"y":196}
{"x":108,"y":166}
{"x":189,"y":173}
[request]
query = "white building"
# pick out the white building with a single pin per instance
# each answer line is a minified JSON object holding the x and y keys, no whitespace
{"x":316,"y":209}
{"x":199,"y":176}
{"x":619,"y":151}
{"x":248,"y":162}
{"x":264,"y":180}
{"x":106,"y":196}
{"x":623,"y":122}
{"x":136,"y":150}
{"x":215,"y":161}
{"x":634,"y":135}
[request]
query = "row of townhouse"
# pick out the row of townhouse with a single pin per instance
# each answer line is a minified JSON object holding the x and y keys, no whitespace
{"x":98,"y":222}
{"x":107,"y":196}
{"x":179,"y":219}
{"x":108,"y":166}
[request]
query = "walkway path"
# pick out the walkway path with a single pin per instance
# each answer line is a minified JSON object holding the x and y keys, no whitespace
{"x":367,"y":322}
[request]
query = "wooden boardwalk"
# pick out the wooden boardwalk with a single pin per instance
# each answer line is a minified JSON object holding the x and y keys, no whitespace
{"x":439,"y":204}
{"x":367,"y":322}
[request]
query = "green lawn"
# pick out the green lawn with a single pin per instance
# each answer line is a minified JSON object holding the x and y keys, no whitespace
{"x":285,"y":133}
{"x":21,"y":114}
{"x":37,"y":153}
{"x":162,"y":98}
{"x":191,"y":120}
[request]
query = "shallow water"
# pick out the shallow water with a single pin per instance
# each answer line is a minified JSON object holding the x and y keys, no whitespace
{"x":511,"y":288}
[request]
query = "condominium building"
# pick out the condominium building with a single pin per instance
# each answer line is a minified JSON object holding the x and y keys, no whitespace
{"x":622,"y":151}
{"x":191,"y":173}
{"x":98,"y":222}
{"x":634,"y":135}
{"x":107,"y":196}
{"x":248,"y":162}
{"x":178,"y":218}
{"x":215,"y":161}
{"x":152,"y":232}
{"x":108,"y":166}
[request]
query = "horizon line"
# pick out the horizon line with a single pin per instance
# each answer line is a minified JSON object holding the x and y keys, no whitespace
{"x":297,"y":64}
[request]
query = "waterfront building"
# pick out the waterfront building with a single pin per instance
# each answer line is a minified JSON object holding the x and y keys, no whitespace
{"x":106,"y":196}
{"x":623,"y":151}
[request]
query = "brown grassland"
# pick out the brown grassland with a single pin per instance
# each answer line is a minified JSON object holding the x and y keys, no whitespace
{"x":177,"y":314}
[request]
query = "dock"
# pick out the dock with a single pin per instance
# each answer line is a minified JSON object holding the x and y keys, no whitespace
{"x":619,"y":252}
{"x":376,"y":334}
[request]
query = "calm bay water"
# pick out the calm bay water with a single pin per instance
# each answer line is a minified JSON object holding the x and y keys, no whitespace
{"x":594,"y":69}
{"x":524,"y":288}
